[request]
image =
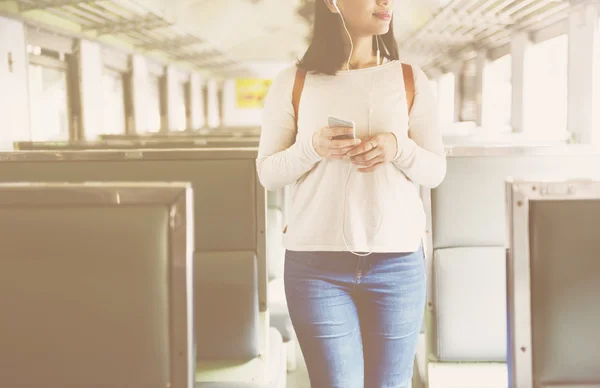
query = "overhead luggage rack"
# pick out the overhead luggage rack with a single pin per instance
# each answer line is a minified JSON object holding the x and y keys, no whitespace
{"x":465,"y":26}
{"x":140,"y":27}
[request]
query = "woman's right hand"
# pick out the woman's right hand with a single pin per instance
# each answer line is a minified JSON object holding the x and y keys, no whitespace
{"x":330,"y":148}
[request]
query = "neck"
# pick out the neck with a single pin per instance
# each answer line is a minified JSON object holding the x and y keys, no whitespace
{"x":362,"y":54}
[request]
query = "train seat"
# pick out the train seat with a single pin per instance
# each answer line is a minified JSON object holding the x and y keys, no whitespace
{"x":233,"y":339}
{"x":554,"y":282}
{"x":229,"y":211}
{"x":278,"y":310}
{"x":467,"y":259}
{"x":101,"y":285}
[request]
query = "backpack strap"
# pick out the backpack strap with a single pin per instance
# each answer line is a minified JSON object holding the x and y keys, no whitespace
{"x":297,"y":92}
{"x":409,"y":85}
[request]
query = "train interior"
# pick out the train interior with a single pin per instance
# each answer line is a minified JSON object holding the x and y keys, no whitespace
{"x":139,"y":249}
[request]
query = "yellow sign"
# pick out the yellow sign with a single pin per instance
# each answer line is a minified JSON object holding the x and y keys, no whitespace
{"x":251,"y":93}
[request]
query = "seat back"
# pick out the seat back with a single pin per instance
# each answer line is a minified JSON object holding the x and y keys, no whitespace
{"x":468,"y":207}
{"x":95,"y":285}
{"x":167,"y":143}
{"x":468,"y":238}
{"x":226,"y":306}
{"x":275,"y":247}
{"x":554,"y":283}
{"x":276,"y":199}
{"x":239,"y":132}
{"x":470,"y":295}
{"x":230,"y":203}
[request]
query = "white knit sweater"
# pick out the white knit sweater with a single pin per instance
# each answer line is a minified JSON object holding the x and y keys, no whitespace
{"x":375,"y":212}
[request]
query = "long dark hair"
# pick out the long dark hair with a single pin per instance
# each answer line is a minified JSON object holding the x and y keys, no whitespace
{"x":327,"y":48}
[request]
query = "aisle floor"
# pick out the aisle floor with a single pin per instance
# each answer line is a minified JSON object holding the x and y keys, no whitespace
{"x":299,"y":378}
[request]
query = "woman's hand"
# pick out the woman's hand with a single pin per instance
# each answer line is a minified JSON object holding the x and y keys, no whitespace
{"x":329,"y":148}
{"x":374,"y":152}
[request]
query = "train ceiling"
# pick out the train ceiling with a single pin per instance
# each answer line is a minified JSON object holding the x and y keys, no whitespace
{"x":224,"y":36}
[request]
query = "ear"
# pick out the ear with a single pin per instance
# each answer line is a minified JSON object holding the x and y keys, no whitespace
{"x":331,"y":5}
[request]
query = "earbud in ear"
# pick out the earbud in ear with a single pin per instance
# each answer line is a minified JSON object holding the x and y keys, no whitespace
{"x":335,"y":5}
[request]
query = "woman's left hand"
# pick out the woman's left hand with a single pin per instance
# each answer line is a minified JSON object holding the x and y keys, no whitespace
{"x":374,"y":152}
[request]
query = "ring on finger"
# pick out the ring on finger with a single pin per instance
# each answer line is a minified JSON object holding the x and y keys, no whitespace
{"x":372,"y":144}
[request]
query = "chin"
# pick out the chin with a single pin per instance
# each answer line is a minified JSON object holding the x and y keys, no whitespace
{"x":375,"y":29}
{"x":382,"y":30}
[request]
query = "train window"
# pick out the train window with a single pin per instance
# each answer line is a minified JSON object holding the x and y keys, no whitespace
{"x":117,"y":97}
{"x":434,"y":87}
{"x":497,"y":95}
{"x":153,"y":103}
{"x":113,"y":102}
{"x":180,"y":123}
{"x":596,"y":86}
{"x":546,"y":76}
{"x":49,"y":107}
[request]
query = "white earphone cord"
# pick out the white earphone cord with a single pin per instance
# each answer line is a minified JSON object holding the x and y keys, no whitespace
{"x":350,"y":38}
{"x":350,"y":169}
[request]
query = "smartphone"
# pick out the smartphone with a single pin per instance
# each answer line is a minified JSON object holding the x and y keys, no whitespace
{"x":336,"y":122}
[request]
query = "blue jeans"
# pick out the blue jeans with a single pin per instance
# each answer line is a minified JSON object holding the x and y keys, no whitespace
{"x":357,"y":318}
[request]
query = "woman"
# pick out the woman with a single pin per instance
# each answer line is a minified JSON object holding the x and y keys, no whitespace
{"x":354,"y":265}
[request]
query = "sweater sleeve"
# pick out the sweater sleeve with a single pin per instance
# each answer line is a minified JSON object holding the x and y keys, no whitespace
{"x":421,"y":155}
{"x":283,"y":157}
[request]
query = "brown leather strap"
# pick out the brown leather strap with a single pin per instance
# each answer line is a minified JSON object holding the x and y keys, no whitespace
{"x":297,"y":92}
{"x":409,"y":84}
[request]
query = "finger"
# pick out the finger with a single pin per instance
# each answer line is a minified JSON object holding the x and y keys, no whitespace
{"x":367,"y":156}
{"x":338,"y":131}
{"x":355,"y":150}
{"x":345,"y":143}
{"x":365,"y":146}
{"x":340,"y":151}
{"x":370,"y":162}
{"x":376,"y":140}
{"x":371,"y":168}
